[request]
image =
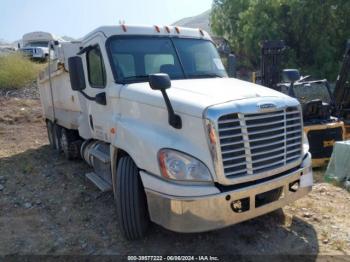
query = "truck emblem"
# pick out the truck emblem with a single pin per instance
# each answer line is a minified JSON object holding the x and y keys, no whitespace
{"x":266,"y":106}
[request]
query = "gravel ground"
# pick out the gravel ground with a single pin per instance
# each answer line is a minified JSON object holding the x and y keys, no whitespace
{"x":29,"y":92}
{"x":48,"y":207}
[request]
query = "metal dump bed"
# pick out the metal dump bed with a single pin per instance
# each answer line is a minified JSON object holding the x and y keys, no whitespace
{"x":59,"y":102}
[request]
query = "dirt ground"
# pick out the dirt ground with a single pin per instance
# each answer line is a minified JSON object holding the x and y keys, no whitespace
{"x":48,"y":207}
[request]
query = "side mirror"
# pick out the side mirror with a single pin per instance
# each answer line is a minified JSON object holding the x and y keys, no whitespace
{"x":159,"y":81}
{"x":100,"y":98}
{"x":291,"y":75}
{"x":76,"y":73}
{"x":231,"y":65}
{"x":162,"y":82}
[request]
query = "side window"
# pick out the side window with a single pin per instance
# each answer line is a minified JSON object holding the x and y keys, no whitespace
{"x":96,"y":68}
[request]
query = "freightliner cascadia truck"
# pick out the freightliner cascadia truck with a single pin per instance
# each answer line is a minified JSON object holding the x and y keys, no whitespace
{"x":182,"y":145}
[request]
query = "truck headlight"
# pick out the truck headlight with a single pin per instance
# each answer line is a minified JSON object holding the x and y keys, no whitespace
{"x":306,"y":146}
{"x":180,"y":166}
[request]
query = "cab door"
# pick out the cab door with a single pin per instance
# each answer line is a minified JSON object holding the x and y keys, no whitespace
{"x":96,"y":87}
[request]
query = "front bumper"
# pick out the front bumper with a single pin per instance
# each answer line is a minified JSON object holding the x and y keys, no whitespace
{"x":208,"y":212}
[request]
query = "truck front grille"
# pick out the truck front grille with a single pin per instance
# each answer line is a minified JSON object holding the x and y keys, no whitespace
{"x":28,"y":51}
{"x":256,"y":143}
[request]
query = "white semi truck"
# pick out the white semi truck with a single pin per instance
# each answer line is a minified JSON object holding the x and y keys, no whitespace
{"x":152,"y":111}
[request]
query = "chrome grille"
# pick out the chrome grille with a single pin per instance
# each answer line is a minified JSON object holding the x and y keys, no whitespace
{"x":256,"y":143}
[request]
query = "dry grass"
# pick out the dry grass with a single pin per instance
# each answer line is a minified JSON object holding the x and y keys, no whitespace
{"x":17,"y":71}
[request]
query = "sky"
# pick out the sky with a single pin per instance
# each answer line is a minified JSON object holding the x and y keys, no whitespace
{"x":76,"y":18}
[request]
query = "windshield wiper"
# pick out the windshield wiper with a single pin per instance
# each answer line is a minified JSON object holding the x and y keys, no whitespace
{"x":135,"y":77}
{"x":207,"y":75}
{"x":138,"y":78}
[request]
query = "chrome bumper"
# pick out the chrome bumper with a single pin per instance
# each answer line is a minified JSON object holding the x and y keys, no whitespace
{"x":204,"y":213}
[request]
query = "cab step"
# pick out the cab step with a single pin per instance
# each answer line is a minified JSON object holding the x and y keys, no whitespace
{"x":99,"y":182}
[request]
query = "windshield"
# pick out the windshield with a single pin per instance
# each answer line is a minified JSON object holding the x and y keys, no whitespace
{"x":38,"y":44}
{"x":134,"y":58}
{"x":309,"y":91}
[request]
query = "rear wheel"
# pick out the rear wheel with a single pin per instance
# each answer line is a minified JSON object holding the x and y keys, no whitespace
{"x":130,"y":200}
{"x":50,"y":136}
{"x":57,"y":137}
{"x":70,"y":143}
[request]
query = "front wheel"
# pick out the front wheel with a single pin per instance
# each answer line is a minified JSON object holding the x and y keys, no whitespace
{"x":130,"y":200}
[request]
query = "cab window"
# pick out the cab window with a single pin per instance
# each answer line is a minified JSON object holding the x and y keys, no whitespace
{"x":96,"y":69}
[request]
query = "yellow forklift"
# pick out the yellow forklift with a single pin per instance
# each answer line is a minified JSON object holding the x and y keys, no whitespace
{"x":319,"y":107}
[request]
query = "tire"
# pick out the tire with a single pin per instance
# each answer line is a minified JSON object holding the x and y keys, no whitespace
{"x":50,"y":136}
{"x":57,"y":137}
{"x":130,"y":200}
{"x":70,"y":144}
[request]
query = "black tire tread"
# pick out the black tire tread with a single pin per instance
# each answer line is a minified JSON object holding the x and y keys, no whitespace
{"x":57,"y":137}
{"x":72,"y":150}
{"x":131,"y":200}
{"x":50,"y":136}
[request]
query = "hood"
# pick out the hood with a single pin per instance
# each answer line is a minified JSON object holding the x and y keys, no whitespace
{"x":193,"y":96}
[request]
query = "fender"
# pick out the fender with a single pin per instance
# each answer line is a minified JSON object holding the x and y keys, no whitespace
{"x":144,"y":136}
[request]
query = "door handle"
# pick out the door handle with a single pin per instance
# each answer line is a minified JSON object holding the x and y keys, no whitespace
{"x":91,"y":122}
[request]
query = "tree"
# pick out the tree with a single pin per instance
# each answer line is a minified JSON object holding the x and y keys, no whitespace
{"x":314,"y":30}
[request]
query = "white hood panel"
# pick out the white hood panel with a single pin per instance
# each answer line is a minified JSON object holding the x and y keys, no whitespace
{"x":193,"y":96}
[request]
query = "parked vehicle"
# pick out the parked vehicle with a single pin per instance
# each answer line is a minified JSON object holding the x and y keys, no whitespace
{"x":321,"y":127}
{"x":36,"y":45}
{"x":321,"y":124}
{"x":152,"y":111}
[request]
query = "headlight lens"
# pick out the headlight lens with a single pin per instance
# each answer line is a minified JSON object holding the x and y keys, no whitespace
{"x":306,"y":146}
{"x":179,"y":166}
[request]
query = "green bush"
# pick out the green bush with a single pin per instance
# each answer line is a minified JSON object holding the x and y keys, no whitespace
{"x":16,"y":70}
